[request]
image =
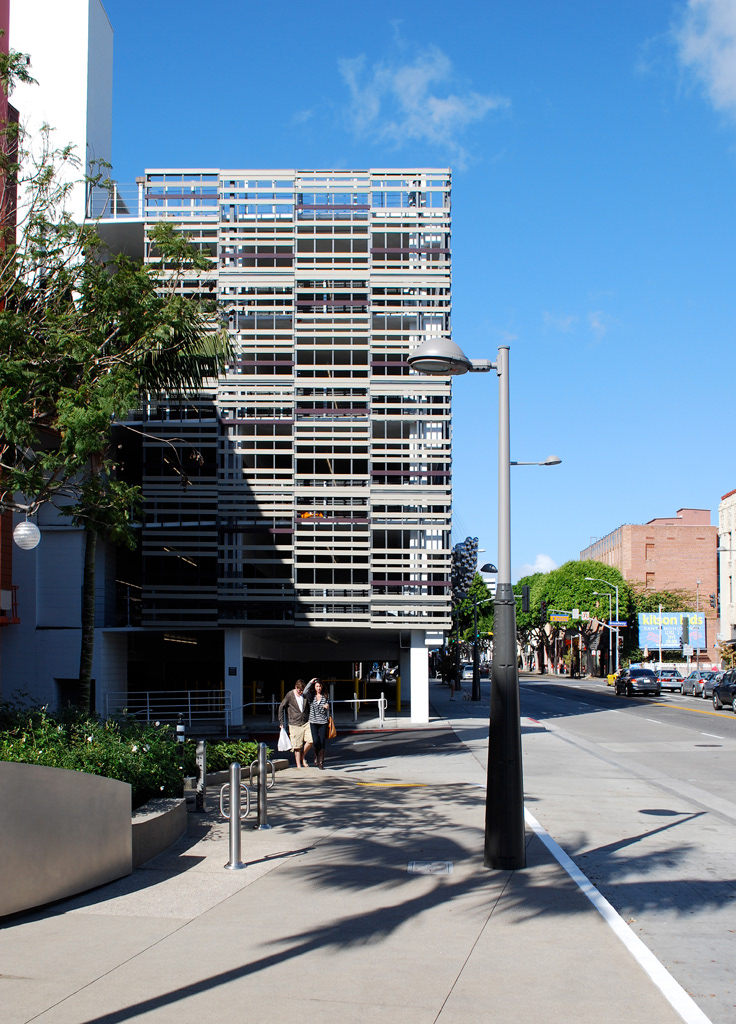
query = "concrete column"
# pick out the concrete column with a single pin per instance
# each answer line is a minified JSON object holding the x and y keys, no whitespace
{"x":419,"y":677}
{"x":405,"y":673}
{"x":234,"y":672}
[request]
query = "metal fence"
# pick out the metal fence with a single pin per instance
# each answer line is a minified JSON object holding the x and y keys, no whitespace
{"x":196,"y":707}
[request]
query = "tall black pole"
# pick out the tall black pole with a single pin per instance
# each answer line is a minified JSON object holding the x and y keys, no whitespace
{"x":475,"y":694}
{"x":457,"y":646}
{"x":504,"y":834}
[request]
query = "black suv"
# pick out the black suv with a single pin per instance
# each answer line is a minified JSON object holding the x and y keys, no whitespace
{"x":724,"y":691}
{"x":637,"y":680}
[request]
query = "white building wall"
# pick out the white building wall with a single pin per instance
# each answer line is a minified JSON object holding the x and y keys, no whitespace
{"x":70,"y":45}
{"x":727,"y":541}
{"x":109,"y":667}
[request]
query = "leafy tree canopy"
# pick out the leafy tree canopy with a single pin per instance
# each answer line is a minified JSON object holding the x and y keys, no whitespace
{"x":478,"y":592}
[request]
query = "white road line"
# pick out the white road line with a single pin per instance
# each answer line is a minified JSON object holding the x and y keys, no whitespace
{"x":712,"y":735}
{"x":674,"y":993}
{"x":654,"y":720}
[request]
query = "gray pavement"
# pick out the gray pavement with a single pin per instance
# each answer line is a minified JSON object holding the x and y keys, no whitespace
{"x":327,"y":919}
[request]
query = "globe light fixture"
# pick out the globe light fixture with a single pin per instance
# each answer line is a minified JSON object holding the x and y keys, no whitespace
{"x":26,"y":535}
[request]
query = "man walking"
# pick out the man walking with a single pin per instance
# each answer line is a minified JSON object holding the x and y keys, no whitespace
{"x":296,"y":706}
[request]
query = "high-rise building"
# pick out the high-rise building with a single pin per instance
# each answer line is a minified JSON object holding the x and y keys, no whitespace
{"x":298,"y":513}
{"x":70,"y":46}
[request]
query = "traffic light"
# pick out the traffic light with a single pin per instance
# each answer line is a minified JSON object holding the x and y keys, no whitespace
{"x":685,"y":631}
{"x":525,"y":598}
{"x":712,"y":600}
{"x":543,"y":610}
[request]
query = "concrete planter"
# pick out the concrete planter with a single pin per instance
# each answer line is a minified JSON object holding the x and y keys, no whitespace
{"x":61,"y":832}
{"x":157,"y":825}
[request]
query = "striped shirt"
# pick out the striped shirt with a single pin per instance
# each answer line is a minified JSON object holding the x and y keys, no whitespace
{"x":318,"y":710}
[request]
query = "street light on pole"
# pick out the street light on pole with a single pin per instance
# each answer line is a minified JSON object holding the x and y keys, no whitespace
{"x":597,"y":579}
{"x":504,"y":829}
{"x":475,"y":692}
{"x":609,"y":595}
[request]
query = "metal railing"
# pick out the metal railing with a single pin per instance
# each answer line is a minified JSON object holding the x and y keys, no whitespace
{"x":272,"y":707}
{"x":194,"y":707}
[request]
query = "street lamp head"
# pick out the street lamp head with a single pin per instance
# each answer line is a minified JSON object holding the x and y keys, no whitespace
{"x":551,"y":460}
{"x":488,"y":567}
{"x":439,"y":357}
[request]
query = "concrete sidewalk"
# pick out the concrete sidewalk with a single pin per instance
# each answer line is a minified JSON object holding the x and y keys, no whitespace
{"x":327,"y":919}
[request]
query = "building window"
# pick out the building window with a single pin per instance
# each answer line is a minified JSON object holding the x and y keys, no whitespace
{"x":649,"y":551}
{"x":649,"y":583}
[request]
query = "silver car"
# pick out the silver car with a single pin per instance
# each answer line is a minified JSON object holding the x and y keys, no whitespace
{"x":694,"y":684}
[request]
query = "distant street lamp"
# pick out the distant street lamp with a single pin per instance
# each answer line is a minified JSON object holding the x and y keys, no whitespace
{"x":504,"y":830}
{"x":609,"y":595}
{"x":551,"y":460}
{"x":597,"y":579}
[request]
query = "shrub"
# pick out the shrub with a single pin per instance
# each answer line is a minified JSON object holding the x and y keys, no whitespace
{"x":221,"y":754}
{"x":144,"y":754}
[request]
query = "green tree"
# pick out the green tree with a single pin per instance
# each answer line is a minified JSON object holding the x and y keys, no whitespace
{"x":479,"y":593}
{"x":530,"y":627}
{"x":567,"y":588}
{"x":83,"y":336}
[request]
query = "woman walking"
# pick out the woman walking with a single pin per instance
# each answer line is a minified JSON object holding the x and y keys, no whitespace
{"x":319,"y":714}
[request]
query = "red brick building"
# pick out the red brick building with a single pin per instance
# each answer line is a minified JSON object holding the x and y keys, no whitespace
{"x":668,"y":554}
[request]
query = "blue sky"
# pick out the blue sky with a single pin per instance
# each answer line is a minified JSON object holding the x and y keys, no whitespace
{"x":594,"y":212}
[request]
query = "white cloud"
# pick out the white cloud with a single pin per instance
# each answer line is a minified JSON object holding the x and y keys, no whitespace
{"x":412,"y":101}
{"x":707,"y":44}
{"x":559,"y":323}
{"x":542,"y":563}
{"x":597,"y":323}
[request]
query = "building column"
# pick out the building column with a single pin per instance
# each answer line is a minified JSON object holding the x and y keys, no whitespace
{"x":419,"y":677}
{"x":234,"y":672}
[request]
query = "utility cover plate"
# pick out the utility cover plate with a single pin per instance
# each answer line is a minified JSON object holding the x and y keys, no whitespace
{"x":430,"y":867}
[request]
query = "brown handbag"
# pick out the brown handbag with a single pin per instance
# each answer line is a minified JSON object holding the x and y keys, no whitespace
{"x":331,"y":730}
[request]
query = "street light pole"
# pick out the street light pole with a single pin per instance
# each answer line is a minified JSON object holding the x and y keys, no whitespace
{"x":504,"y":832}
{"x":697,"y":619}
{"x":597,"y":579}
{"x":607,"y":593}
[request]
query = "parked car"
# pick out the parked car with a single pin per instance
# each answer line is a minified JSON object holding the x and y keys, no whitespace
{"x":669,"y":679}
{"x":637,"y":680}
{"x":466,"y":672}
{"x":709,"y":684}
{"x":724,"y":691}
{"x":694,"y":684}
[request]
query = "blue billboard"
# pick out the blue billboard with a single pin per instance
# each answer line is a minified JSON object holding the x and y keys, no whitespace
{"x":668,"y":626}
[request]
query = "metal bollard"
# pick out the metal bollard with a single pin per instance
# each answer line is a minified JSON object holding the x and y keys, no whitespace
{"x":201,"y":798}
{"x":234,"y":787}
{"x":263,"y":785}
{"x":355,"y":708}
{"x":381,"y":709}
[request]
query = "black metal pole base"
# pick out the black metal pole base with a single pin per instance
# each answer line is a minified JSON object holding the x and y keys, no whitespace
{"x":505,"y":841}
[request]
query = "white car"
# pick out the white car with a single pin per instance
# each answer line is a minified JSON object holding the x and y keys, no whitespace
{"x":466,"y":672}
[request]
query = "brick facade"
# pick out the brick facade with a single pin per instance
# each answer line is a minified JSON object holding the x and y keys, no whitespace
{"x":668,"y":554}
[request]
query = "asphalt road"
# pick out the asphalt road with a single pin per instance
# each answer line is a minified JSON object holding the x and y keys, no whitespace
{"x":642,"y":794}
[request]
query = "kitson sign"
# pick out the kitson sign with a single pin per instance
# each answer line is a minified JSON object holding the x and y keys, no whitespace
{"x":668,"y":625}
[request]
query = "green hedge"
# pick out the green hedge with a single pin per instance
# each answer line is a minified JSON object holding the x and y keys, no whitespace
{"x":146,"y":755}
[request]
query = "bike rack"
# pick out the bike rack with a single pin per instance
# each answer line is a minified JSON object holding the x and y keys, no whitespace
{"x":234,"y":788}
{"x":265,"y":769}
